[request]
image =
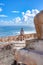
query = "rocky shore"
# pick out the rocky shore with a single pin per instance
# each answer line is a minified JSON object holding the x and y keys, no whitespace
{"x":18,"y":37}
{"x":33,"y":52}
{"x":7,"y":51}
{"x":7,"y":47}
{"x":6,"y":54}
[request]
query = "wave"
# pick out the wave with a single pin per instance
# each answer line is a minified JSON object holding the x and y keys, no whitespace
{"x":27,"y":32}
{"x":12,"y":33}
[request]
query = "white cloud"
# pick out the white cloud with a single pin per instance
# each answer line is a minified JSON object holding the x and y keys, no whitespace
{"x":30,"y":13}
{"x":15,"y":11}
{"x":17,"y":20}
{"x":35,"y":11}
{"x":23,"y":13}
{"x":2,"y":4}
{"x":6,"y":23}
{"x":0,"y":9}
{"x":27,"y":18}
{"x":3,"y":15}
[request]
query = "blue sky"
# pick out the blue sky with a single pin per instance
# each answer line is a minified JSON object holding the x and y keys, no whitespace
{"x":17,"y":12}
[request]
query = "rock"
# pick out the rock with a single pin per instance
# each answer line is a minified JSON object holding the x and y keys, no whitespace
{"x":38,"y":20}
{"x":14,"y":63}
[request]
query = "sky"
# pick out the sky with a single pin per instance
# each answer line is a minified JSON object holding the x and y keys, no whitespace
{"x":19,"y":12}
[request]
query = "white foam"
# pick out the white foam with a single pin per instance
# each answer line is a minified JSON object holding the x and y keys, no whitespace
{"x":27,"y":32}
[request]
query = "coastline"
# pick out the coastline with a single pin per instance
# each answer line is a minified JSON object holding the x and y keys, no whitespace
{"x":17,"y":37}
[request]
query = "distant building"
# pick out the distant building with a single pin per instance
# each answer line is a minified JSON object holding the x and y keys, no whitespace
{"x":21,"y":31}
{"x":21,"y":36}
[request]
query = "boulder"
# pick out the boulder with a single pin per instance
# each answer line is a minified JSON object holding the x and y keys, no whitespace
{"x":38,"y":20}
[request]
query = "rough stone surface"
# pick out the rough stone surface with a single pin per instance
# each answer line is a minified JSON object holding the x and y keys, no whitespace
{"x":6,"y":56}
{"x":38,"y":20}
{"x":29,"y":56}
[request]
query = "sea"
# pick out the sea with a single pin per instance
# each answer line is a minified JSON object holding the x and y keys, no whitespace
{"x":15,"y":30}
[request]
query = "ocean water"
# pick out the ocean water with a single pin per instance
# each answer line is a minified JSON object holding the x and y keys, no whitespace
{"x":15,"y":30}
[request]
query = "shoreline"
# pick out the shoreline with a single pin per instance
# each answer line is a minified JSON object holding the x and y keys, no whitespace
{"x":17,"y":37}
